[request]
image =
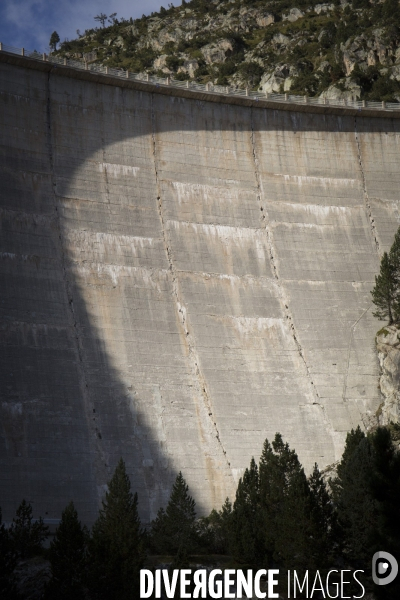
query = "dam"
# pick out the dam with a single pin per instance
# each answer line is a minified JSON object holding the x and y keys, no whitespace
{"x":180,"y":279}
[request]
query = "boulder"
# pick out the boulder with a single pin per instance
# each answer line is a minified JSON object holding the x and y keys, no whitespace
{"x":217,"y":52}
{"x":293,"y":15}
{"x":351,"y":92}
{"x":280,"y":41}
{"x":323,"y":8}
{"x":160,"y":64}
{"x":263,"y":20}
{"x":189,"y":67}
{"x":388,"y":347}
{"x":280,"y":79}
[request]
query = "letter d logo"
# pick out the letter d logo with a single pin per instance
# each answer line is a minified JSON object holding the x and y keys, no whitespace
{"x":384,"y":568}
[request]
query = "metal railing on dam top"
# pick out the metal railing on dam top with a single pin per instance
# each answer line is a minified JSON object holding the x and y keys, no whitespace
{"x":200,"y":87}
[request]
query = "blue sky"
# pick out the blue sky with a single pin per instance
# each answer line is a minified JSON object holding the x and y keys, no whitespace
{"x":29,"y":23}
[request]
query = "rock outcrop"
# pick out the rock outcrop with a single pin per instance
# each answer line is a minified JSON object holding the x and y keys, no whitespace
{"x":388,"y":347}
{"x":252,"y":46}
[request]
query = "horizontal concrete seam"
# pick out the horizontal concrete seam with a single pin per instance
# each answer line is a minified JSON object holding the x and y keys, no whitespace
{"x":191,"y":94}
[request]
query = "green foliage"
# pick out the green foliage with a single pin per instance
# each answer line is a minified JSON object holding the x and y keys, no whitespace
{"x":26,"y":534}
{"x":101,"y":18}
{"x":67,"y":556}
{"x":384,"y":88}
{"x":310,"y":38}
{"x":214,"y":531}
{"x":385,"y":292}
{"x":8,"y":561}
{"x":286,"y":505}
{"x":175,"y":527}
{"x":251,"y":73}
{"x":116,"y":548}
{"x":173,"y":62}
{"x":247,"y":533}
{"x":54,"y":39}
{"x":324,"y":527}
{"x":367,"y":489}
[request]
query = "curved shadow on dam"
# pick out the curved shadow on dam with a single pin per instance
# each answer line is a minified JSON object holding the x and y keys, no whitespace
{"x":119,"y":374}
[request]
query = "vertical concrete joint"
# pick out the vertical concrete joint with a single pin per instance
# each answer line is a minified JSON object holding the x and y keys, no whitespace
{"x":197,"y":375}
{"x":97,"y":449}
{"x":282,"y":293}
{"x":365,"y":191}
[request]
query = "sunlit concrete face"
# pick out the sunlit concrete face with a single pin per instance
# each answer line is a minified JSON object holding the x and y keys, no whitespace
{"x":181,"y":280}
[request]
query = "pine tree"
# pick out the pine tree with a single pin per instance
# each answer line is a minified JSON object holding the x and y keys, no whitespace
{"x":358,"y":510}
{"x":224,"y":521}
{"x":385,"y":294}
{"x":174,"y":528}
{"x":27,"y":535}
{"x":394,"y":259}
{"x":271,"y":496}
{"x":8,"y":561}
{"x":68,"y":558}
{"x":367,"y":492}
{"x":353,"y":439}
{"x":324,"y":528}
{"x":293,"y":525}
{"x":116,"y":547}
{"x":286,"y":504}
{"x":247,"y":535}
{"x":385,"y":488}
{"x":54,"y":39}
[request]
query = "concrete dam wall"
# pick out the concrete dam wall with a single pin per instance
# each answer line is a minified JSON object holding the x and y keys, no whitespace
{"x":180,"y":279}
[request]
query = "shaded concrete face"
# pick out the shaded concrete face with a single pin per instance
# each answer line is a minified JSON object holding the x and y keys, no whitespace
{"x":181,"y":280}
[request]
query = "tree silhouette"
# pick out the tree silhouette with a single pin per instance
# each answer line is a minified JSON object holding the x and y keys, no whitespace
{"x":68,"y":557}
{"x":101,"y":18}
{"x":247,"y":537}
{"x":174,"y":528}
{"x":27,"y":535}
{"x":385,"y":292}
{"x":116,"y":548}
{"x":54,"y":39}
{"x":8,"y":561}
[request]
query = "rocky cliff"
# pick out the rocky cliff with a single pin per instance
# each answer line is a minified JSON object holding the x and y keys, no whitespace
{"x":336,"y":49}
{"x":388,"y":347}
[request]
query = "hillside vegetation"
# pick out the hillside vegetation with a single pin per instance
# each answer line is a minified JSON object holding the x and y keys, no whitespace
{"x":337,"y":49}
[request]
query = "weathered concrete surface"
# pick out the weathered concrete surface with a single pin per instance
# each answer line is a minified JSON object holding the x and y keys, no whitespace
{"x":181,"y":279}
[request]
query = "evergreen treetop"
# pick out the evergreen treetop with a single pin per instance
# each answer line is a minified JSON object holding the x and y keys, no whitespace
{"x":175,"y":526}
{"x":247,"y":532}
{"x":8,"y":561}
{"x":68,"y":557}
{"x":116,"y":548}
{"x":27,"y":535}
{"x":386,"y":292}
